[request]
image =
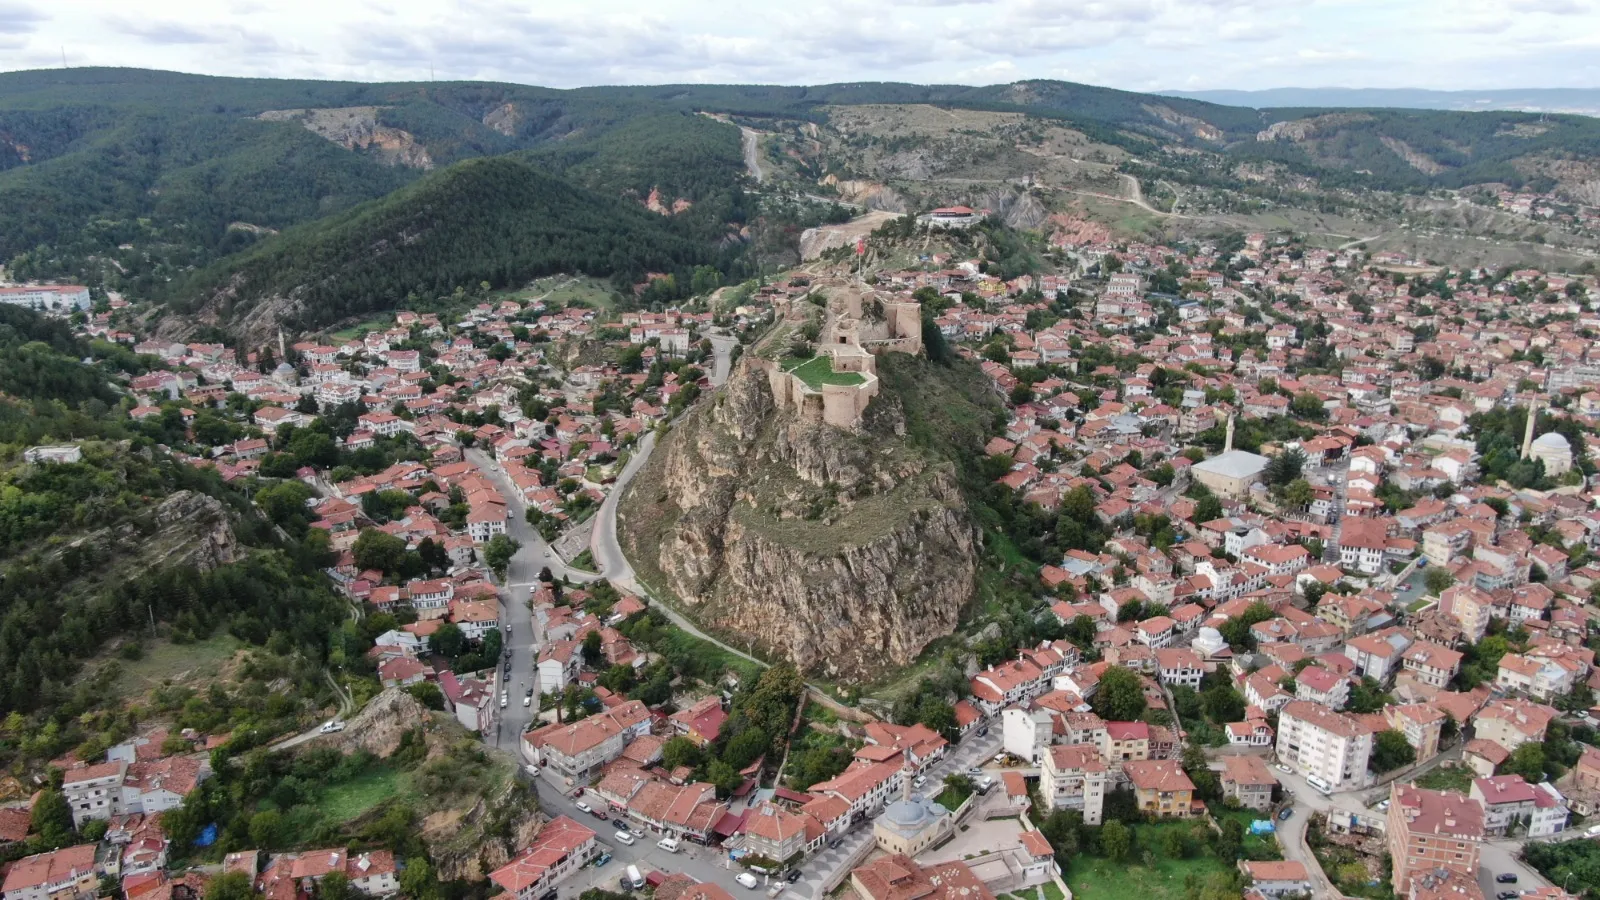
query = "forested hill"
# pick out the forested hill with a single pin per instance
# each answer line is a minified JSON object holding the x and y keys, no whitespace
{"x":498,"y":220}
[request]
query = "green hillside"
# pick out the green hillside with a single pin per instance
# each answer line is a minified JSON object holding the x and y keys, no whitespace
{"x":498,"y":220}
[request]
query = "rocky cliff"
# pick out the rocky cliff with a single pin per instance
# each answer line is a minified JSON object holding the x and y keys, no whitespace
{"x":844,"y":552}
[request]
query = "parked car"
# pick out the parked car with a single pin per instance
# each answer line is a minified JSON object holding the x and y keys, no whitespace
{"x":835,"y":843}
{"x":983,"y":731}
{"x":624,"y":838}
{"x":1287,"y":812}
{"x":600,"y":814}
{"x":747,"y":880}
{"x":331,"y":727}
{"x":602,"y":860}
{"x":668,"y":844}
{"x":531,"y":769}
{"x":1506,"y":878}
{"x":583,"y":807}
{"x":919,"y":781}
{"x":974,"y":772}
{"x":528,"y":700}
{"x":1507,"y":895}
{"x":578,"y":791}
{"x":792,"y":876}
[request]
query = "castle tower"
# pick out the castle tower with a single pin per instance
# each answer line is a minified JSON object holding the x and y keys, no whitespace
{"x":1527,"y":434}
{"x":1227,"y":443}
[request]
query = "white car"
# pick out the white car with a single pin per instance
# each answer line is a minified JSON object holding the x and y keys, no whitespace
{"x":583,"y":807}
{"x":331,"y":727}
{"x":624,"y":838}
{"x":746,"y":879}
{"x":527,"y":701}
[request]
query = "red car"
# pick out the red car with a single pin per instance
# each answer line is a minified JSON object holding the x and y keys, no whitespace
{"x":578,"y":792}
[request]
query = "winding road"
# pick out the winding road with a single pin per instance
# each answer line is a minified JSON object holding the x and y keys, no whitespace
{"x":604,"y":546}
{"x":752,"y":143}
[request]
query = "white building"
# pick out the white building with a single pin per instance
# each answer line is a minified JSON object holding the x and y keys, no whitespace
{"x":1027,"y":732}
{"x":47,"y":297}
{"x":1329,"y":748}
{"x":1073,"y":776}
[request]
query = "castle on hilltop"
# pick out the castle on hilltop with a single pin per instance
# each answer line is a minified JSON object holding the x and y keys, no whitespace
{"x":836,"y":385}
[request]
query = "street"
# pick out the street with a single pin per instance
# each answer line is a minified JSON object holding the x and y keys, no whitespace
{"x":711,"y":865}
{"x":522,"y":576}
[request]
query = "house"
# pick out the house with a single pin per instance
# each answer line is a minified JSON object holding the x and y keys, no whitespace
{"x":1431,"y":664}
{"x":138,"y":788}
{"x":577,"y":749}
{"x":1322,"y":685}
{"x":1178,"y":665}
{"x":863,"y":785}
{"x":1509,"y":800}
{"x":1248,"y":780}
{"x":1073,"y":776}
{"x":1429,"y":830}
{"x":1421,"y":723}
{"x":702,"y":721}
{"x":1276,"y":878}
{"x":1161,"y":788}
{"x":899,"y":877}
{"x":65,"y":873}
{"x":774,"y":832}
{"x":1512,"y":723}
{"x":562,"y":847}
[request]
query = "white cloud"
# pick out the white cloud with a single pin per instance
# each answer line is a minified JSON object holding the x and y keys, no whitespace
{"x":1136,"y":44}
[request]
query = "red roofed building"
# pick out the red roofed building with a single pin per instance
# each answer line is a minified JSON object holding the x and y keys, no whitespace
{"x":66,"y":872}
{"x":562,"y":847}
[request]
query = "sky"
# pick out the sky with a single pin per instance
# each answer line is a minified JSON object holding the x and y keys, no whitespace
{"x":1131,"y":44}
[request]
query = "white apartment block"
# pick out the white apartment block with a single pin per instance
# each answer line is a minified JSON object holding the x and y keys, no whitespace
{"x":1319,"y":743}
{"x":1073,"y":776}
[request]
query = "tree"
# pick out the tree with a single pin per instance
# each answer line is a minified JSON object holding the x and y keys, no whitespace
{"x":1231,"y":842}
{"x":265,"y":826}
{"x":498,"y":552}
{"x":1528,"y":761}
{"x":334,"y":886}
{"x":592,"y":652}
{"x":1115,"y":841}
{"x":1285,"y":467}
{"x":232,"y":886}
{"x":1438,"y":580}
{"x":427,"y":693}
{"x":449,"y":640}
{"x":678,"y":752}
{"x":1297,"y":494}
{"x":1120,"y":697}
{"x":51,"y":820}
{"x":1307,"y":405}
{"x":1391,"y":751}
{"x":1207,"y":509}
{"x":417,"y":880}
{"x":379,"y":550}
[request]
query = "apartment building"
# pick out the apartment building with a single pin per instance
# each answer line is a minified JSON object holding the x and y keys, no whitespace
{"x":1509,"y":799}
{"x":1512,"y":723}
{"x":578,"y":748}
{"x":561,"y":848}
{"x":1421,"y":723}
{"x":1429,"y":830}
{"x":68,"y":872}
{"x":1329,"y":748}
{"x":1073,"y":776}
{"x":1431,"y":664}
{"x":121,"y":788}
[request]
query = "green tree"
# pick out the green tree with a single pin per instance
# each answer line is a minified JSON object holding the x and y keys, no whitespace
{"x":1528,"y":761}
{"x":1231,"y":842}
{"x":592,"y":652}
{"x":1207,"y":509}
{"x":449,"y":640}
{"x":680,"y":751}
{"x":334,"y":886}
{"x":1120,"y":697}
{"x":1390,"y":750}
{"x":1285,"y":467}
{"x":1297,"y":494}
{"x":379,"y":550}
{"x":498,"y":552}
{"x":51,"y":820}
{"x":232,"y":886}
{"x":1115,"y":841}
{"x":1438,"y":580}
{"x":265,"y":827}
{"x":427,"y":693}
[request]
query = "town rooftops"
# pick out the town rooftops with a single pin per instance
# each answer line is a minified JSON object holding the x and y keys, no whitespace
{"x":554,"y":843}
{"x":1324,"y":718}
{"x":1442,"y":813}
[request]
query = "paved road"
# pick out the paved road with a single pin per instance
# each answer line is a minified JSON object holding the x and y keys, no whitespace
{"x":752,"y":142}
{"x":522,"y":575}
{"x":708,"y":865}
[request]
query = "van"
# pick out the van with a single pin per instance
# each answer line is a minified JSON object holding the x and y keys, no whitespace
{"x":668,"y":844}
{"x":633,"y":878}
{"x":1322,"y":786}
{"x":1594,"y":831}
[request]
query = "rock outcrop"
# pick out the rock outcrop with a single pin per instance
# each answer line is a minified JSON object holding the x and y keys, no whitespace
{"x":357,"y":128}
{"x":383,"y":723}
{"x":844,"y":552}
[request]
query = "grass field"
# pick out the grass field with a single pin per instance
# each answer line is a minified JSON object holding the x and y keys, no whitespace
{"x":818,"y":371}
{"x":1255,"y":846}
{"x":164,"y":661}
{"x":359,"y":330}
{"x":1102,"y":879}
{"x":1457,"y":778}
{"x":346,"y":801}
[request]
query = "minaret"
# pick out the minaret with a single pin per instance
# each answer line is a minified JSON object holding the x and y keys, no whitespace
{"x":905,"y":781}
{"x":1527,"y":435}
{"x":1227,"y":443}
